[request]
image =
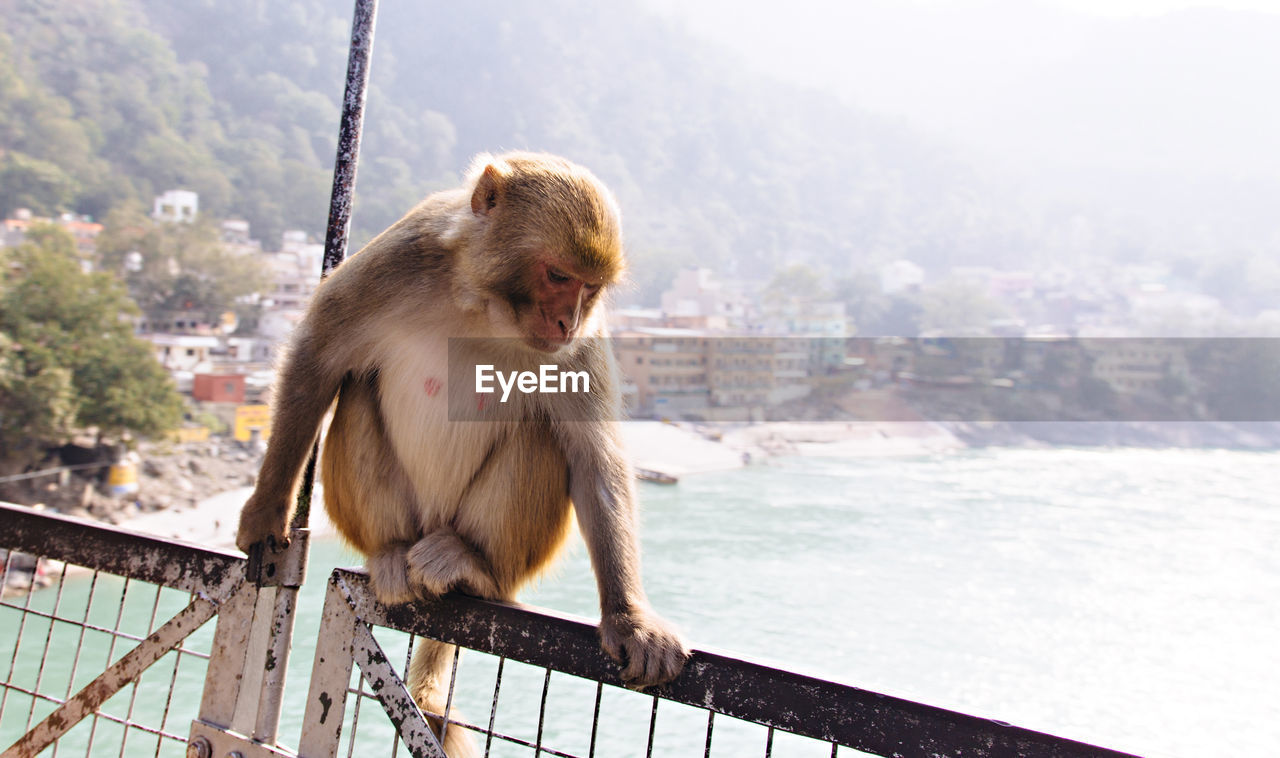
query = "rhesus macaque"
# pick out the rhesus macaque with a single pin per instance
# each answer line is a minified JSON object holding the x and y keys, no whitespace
{"x":519,"y":259}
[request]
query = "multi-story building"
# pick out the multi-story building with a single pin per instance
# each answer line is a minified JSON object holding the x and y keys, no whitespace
{"x":741,"y":370}
{"x":1134,"y":366}
{"x":696,"y":292}
{"x":295,"y":272}
{"x":13,"y":231}
{"x":668,"y":368}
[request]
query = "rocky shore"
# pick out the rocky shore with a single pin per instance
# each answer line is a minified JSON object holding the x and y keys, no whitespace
{"x":170,"y":477}
{"x":194,"y":491}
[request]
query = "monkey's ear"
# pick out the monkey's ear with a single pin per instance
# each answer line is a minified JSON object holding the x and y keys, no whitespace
{"x":488,"y":190}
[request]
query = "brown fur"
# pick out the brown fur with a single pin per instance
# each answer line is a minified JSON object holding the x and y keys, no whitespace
{"x":481,"y":506}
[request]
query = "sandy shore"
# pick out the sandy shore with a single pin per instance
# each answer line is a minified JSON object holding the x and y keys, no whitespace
{"x":212,"y":521}
{"x":839,"y":439}
{"x":677,"y":449}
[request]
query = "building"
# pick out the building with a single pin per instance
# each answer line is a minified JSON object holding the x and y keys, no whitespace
{"x":696,"y":292}
{"x":1133,"y":366}
{"x":179,"y":206}
{"x":13,"y":231}
{"x":668,"y":368}
{"x":741,"y":371}
{"x":234,"y":233}
{"x":822,"y":327}
{"x":184,"y":352}
{"x":249,"y":350}
{"x":295,"y":272}
{"x":218,"y":388}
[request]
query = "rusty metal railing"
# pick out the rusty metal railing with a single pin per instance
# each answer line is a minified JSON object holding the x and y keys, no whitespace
{"x":518,"y":658}
{"x":719,"y":687}
{"x":55,"y":635}
{"x":65,"y":631}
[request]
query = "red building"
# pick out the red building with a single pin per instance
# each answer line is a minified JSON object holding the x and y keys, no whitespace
{"x":218,"y":388}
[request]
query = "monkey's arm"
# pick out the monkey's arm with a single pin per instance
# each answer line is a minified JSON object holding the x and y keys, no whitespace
{"x":305,"y":388}
{"x":602,"y":487}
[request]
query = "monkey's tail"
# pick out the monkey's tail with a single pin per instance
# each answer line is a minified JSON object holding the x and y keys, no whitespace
{"x":430,"y":673}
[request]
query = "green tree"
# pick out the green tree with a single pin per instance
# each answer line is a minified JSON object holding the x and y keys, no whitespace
{"x":864,"y":300}
{"x":27,"y":182}
{"x":178,"y":268}
{"x":68,"y":356}
{"x":796,"y":281}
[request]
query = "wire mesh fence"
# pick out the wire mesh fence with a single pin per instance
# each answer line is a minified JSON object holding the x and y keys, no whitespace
{"x":518,"y":710}
{"x":99,"y":628}
{"x":61,"y":625}
{"x":103,"y":635}
{"x":534,"y":683}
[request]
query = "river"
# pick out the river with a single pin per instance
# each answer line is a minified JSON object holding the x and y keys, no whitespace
{"x":1126,"y":597}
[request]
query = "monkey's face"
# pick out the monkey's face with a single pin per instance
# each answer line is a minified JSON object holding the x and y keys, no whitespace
{"x":559,"y":302}
{"x":549,"y":243}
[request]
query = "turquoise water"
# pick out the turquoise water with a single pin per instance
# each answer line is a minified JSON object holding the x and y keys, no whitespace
{"x":1125,"y":597}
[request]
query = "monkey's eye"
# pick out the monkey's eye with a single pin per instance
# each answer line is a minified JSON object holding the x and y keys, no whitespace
{"x":557,"y":277}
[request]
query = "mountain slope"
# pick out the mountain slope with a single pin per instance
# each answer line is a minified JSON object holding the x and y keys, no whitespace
{"x":238,"y":99}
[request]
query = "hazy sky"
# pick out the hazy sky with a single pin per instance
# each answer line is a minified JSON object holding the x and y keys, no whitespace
{"x":1116,"y":82}
{"x":1137,"y":101}
{"x":1137,"y":7}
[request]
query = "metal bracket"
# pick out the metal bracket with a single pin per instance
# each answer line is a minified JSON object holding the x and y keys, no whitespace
{"x":287,"y":568}
{"x":208,"y":741}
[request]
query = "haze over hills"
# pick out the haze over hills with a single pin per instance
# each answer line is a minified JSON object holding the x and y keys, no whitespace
{"x":715,"y":162}
{"x":1164,"y":120}
{"x":709,"y":162}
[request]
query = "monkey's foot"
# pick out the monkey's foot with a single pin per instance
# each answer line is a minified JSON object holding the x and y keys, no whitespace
{"x":261,"y":522}
{"x":388,"y":572}
{"x":650,"y":652}
{"x":441,"y":561}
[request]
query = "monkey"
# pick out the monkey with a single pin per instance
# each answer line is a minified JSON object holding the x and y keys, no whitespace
{"x":439,"y":487}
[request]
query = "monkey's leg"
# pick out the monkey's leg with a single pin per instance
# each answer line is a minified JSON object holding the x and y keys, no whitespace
{"x":511,"y":520}
{"x":499,"y":521}
{"x":430,"y":673}
{"x":366,"y":492}
{"x":442,"y":561}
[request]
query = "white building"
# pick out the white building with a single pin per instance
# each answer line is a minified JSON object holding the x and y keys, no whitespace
{"x":184,"y":352}
{"x":695,"y":292}
{"x":177,"y":205}
{"x":295,"y":272}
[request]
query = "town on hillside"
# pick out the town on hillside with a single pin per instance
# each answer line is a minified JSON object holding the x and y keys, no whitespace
{"x":1130,"y":343}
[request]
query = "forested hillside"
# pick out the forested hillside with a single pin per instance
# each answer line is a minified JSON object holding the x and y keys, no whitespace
{"x":107,"y":102}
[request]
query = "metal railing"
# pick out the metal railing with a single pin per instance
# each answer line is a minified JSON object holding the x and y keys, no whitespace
{"x":538,"y":678}
{"x":58,"y":635}
{"x":713,"y":684}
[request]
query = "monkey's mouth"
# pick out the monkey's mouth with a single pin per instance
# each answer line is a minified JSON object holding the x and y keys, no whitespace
{"x":545,"y":345}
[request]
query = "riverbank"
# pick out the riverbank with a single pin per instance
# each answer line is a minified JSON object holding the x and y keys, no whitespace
{"x":676,"y":449}
{"x":194,"y":492}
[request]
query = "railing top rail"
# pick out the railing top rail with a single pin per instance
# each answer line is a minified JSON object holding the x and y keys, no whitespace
{"x":171,"y":563}
{"x":757,"y":692}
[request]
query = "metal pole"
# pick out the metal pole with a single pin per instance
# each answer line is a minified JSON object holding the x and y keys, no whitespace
{"x":344,"y":185}
{"x":335,"y":248}
{"x":344,"y":167}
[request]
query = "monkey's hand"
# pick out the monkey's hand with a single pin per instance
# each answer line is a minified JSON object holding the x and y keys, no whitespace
{"x":263,"y":521}
{"x":649,"y":650}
